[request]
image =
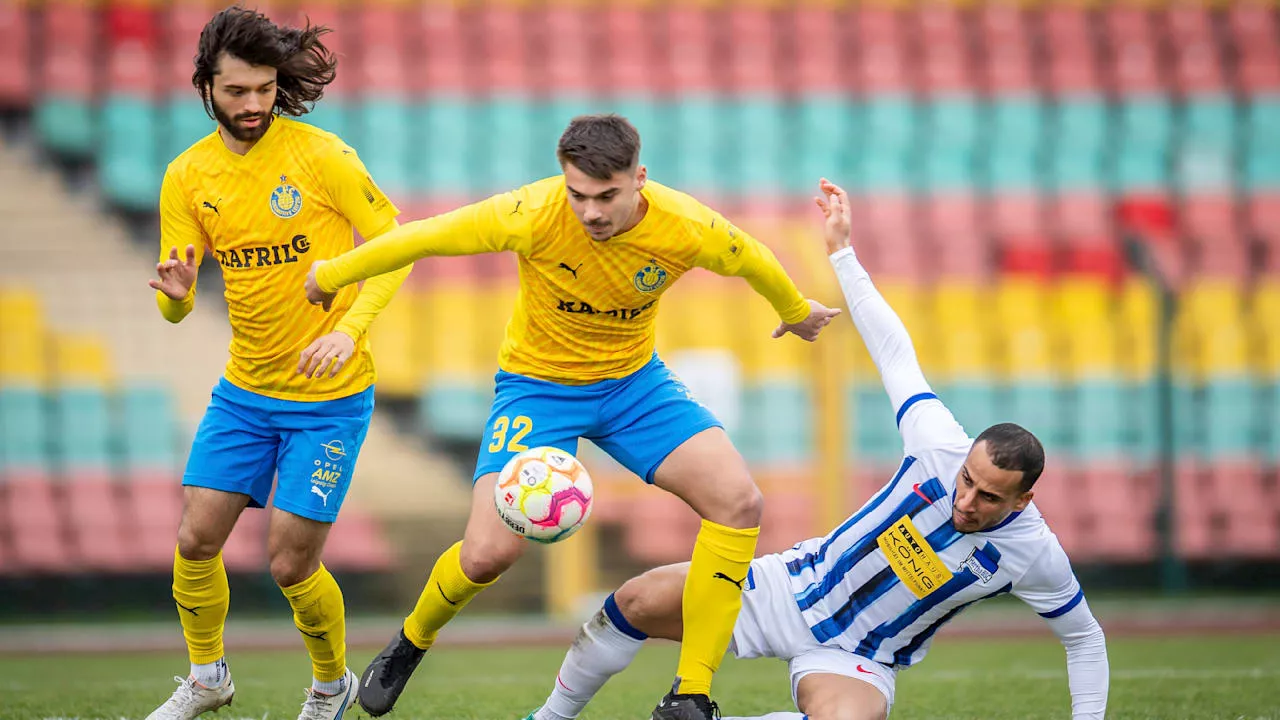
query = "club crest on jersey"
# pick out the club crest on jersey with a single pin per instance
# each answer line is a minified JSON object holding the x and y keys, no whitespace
{"x":650,"y":277}
{"x":286,"y":200}
{"x":980,"y":564}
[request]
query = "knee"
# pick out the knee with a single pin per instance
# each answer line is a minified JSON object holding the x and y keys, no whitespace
{"x":745,"y":507}
{"x":196,"y":545}
{"x":289,"y":568}
{"x":484,"y":559}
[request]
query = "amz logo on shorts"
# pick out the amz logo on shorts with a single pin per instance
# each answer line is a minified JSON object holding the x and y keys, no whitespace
{"x":329,"y":472}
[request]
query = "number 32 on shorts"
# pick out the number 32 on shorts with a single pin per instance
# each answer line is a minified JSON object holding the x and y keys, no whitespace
{"x":519,"y":427}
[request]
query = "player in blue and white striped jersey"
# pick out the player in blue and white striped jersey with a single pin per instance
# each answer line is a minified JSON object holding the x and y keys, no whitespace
{"x":954,"y":525}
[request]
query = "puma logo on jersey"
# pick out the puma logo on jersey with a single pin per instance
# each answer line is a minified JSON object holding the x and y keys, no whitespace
{"x":572,"y":270}
{"x":214,"y":207}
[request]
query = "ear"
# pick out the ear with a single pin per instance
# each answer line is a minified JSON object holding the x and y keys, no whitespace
{"x":1023,"y":501}
{"x":642,"y":174}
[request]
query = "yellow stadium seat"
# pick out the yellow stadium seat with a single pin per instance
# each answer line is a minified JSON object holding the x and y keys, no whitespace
{"x":1266,"y":310}
{"x":766,"y":356}
{"x":496,"y":301}
{"x":22,"y":338}
{"x":1082,"y":301}
{"x":81,"y":359}
{"x":445,"y":319}
{"x":1020,"y":301}
{"x":1138,"y":322}
{"x":962,"y":337}
{"x":909,"y":301}
{"x":392,"y":339}
{"x":1223,"y":350}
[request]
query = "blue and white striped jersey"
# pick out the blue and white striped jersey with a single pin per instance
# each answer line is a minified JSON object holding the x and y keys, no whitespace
{"x":882,"y":583}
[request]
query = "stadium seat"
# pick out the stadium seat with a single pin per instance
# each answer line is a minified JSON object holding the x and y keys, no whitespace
{"x":789,"y":515}
{"x":82,"y":430}
{"x":816,"y":38}
{"x":783,"y":411}
{"x":37,"y":536}
{"x":661,"y":529}
{"x":817,"y":117}
{"x":357,"y":543}
{"x":875,"y":435}
{"x":973,"y":402}
{"x":152,"y":509}
{"x":246,"y":548}
{"x":380,"y":133}
{"x":16,"y":33}
{"x":443,"y":154}
{"x":96,"y":525}
{"x":129,"y":164}
{"x":755,"y":160}
{"x":698,"y":143}
{"x":64,"y":115}
{"x":24,"y":431}
{"x":185,"y":121}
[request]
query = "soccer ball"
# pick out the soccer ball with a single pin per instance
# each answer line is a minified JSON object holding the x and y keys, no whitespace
{"x":543,"y":494}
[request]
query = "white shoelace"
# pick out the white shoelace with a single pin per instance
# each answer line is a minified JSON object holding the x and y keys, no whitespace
{"x":184,"y":698}
{"x":319,"y":706}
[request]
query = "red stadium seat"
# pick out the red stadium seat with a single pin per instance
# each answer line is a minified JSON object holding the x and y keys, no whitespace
{"x":1002,"y":24}
{"x":789,"y":517}
{"x":356,"y":542}
{"x":381,"y":32}
{"x":246,"y":548}
{"x":568,"y":66}
{"x":1012,"y":216}
{"x":1251,"y":24}
{"x":1066,"y":25}
{"x":817,"y":46}
{"x":181,"y":33}
{"x":661,"y":529}
{"x":441,"y":62}
{"x":1074,"y":71}
{"x":68,"y":40}
{"x":16,"y":31}
{"x":1210,"y":221}
{"x":1008,"y":70}
{"x":1198,"y":68}
{"x":692,"y":62}
{"x":1135,"y":50}
{"x":153,"y":509}
{"x":883,"y":62}
{"x":1263,"y":210}
{"x":754,"y":64}
{"x":1081,"y":215}
{"x":633,"y":66}
{"x":1259,"y":73}
{"x":36,"y":534}
{"x":93,"y":513}
{"x":959,"y":241}
{"x":1101,"y":257}
{"x":502,"y":32}
{"x":342,"y":41}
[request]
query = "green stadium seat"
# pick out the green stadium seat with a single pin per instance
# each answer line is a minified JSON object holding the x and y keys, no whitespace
{"x":67,"y":127}
{"x":974,"y":403}
{"x":456,"y":410}
{"x":1081,"y":122}
{"x":947,"y":169}
{"x":1262,"y":169}
{"x":816,"y":119}
{"x":553,"y":117}
{"x":187,"y":122}
{"x":698,"y":135}
{"x":892,"y":122}
{"x":954,"y":122}
{"x":442,"y":155}
{"x":1012,"y":168}
{"x":1210,"y":119}
{"x":381,"y":135}
{"x":82,"y":430}
{"x":755,"y":165}
{"x":1017,"y":121}
{"x":1140,"y":168}
{"x":24,"y":435}
{"x":1037,"y":405}
{"x":1146,"y":122}
{"x":1098,"y":428}
{"x":782,"y":413}
{"x":130,"y":168}
{"x":874,"y":434}
{"x":149,"y":432}
{"x":508,"y":145}
{"x":1262,"y":122}
{"x":1140,"y":421}
{"x":884,"y":169}
{"x":1231,"y":418}
{"x":1072,"y":168}
{"x":332,"y":114}
{"x":1270,"y":421}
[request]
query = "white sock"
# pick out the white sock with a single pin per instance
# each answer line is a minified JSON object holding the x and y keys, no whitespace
{"x":332,"y":687}
{"x":773,"y":716}
{"x":604,"y":647}
{"x":210,"y":675}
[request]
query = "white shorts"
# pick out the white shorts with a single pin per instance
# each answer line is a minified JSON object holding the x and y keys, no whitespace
{"x":770,"y":625}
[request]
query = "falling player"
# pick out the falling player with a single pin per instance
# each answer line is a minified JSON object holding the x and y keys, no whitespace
{"x":954,"y":525}
{"x":597,"y":247}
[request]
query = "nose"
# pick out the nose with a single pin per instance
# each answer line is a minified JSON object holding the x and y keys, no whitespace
{"x":253,"y":104}
{"x":964,"y":502}
{"x":591,"y":213}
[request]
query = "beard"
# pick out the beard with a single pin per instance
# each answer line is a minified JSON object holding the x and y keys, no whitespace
{"x":238,"y":131}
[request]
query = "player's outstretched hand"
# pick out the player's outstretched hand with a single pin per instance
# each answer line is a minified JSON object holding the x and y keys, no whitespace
{"x":176,"y":276}
{"x":819,"y":316}
{"x":330,"y":352}
{"x":315,"y":295}
{"x":834,"y":203}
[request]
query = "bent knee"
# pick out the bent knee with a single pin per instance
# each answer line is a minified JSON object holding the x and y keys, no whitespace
{"x":847,"y":711}
{"x":484,"y":560}
{"x":744,"y":508}
{"x":195,"y":545}
{"x":289,"y":569}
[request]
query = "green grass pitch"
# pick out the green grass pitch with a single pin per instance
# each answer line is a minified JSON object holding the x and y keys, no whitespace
{"x":1236,"y":676}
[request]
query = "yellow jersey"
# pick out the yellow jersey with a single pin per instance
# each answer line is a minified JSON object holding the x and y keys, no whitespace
{"x":586,"y":308}
{"x":265,"y":216}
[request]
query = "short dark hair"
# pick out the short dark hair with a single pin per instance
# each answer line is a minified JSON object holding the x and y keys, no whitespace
{"x":304,"y":65}
{"x":1013,"y":447}
{"x":600,"y":145}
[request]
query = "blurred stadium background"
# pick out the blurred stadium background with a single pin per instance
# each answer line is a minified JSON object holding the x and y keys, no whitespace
{"x":1075,"y":208}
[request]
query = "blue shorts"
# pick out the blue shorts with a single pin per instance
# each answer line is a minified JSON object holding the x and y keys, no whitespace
{"x":638,"y":419}
{"x":246,"y":440}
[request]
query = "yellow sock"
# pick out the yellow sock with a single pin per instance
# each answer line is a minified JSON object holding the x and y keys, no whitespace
{"x":712,"y":599}
{"x":320,"y":616}
{"x":448,"y":590}
{"x":200,"y":589}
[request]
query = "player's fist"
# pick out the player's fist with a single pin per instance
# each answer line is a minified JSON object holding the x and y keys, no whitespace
{"x":328,"y":352}
{"x":819,"y":316}
{"x":176,"y":275}
{"x":834,"y":203}
{"x":315,"y":295}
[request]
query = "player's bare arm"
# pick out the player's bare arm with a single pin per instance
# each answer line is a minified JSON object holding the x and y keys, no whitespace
{"x":176,"y":276}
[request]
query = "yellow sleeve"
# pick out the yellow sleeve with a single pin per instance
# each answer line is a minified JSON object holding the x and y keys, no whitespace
{"x":374,"y":294}
{"x":178,"y":229}
{"x":492,"y":225}
{"x":726,"y":250}
{"x":354,"y":193}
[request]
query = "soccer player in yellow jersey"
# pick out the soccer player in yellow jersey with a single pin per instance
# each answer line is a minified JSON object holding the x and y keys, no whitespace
{"x":597,"y":247}
{"x":264,"y":196}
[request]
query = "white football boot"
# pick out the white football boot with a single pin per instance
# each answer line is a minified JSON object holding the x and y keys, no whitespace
{"x":330,"y":707}
{"x":191,"y":699}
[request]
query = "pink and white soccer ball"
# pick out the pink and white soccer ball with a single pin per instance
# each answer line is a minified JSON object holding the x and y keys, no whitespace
{"x":544,"y":494}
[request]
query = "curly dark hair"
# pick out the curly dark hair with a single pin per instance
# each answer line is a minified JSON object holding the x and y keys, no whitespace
{"x":304,"y":65}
